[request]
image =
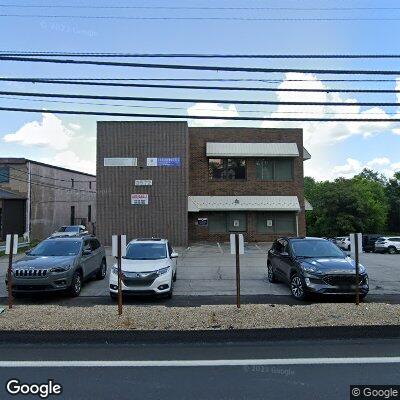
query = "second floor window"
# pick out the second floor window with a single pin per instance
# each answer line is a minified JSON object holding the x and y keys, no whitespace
{"x":269,"y":169}
{"x":4,"y":174}
{"x":227,"y":168}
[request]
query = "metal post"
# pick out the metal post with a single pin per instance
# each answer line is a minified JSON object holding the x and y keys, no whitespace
{"x":119,"y":276}
{"x":237,"y":271}
{"x":9,"y":272}
{"x":357,"y":268}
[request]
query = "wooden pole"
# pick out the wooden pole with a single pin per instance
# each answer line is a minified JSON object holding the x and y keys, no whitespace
{"x":119,"y":276}
{"x":9,"y":273}
{"x":237,"y":271}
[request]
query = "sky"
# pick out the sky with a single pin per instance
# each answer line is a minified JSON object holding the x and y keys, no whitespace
{"x":337,"y":149}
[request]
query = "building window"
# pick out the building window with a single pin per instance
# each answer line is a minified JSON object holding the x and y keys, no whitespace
{"x":90,"y":184}
{"x":89,"y":213}
{"x":72,"y":183}
{"x":284,"y":223}
{"x":4,"y":174}
{"x":268,"y":169}
{"x":227,"y":168}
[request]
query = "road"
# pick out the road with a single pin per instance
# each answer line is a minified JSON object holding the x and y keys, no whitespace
{"x":304,"y":369}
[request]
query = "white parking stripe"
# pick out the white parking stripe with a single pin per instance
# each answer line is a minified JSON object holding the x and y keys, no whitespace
{"x":200,"y":363}
{"x":220,"y":248}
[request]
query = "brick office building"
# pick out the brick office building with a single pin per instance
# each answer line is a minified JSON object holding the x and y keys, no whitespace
{"x":189,"y":184}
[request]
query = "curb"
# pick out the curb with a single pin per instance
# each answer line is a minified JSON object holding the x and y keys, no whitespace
{"x":200,"y":336}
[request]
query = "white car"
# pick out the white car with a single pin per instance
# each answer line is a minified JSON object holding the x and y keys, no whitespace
{"x":344,"y":243}
{"x":70,"y":230}
{"x":149,"y":267}
{"x":388,"y":244}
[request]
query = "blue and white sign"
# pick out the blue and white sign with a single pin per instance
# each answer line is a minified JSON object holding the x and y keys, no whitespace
{"x":164,"y":162}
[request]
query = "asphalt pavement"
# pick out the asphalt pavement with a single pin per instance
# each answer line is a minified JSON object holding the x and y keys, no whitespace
{"x":206,"y":271}
{"x":296,"y":369}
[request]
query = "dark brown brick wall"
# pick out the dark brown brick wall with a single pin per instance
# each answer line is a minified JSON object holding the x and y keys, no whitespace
{"x":166,"y":214}
{"x":200,"y":184}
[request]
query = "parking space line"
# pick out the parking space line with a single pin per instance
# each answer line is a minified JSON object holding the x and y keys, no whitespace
{"x":220,"y":248}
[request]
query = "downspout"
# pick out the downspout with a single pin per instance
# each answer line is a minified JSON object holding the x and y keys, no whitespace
{"x":297,"y":224}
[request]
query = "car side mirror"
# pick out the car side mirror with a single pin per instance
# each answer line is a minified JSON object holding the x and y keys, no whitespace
{"x":86,"y":252}
{"x":174,"y":255}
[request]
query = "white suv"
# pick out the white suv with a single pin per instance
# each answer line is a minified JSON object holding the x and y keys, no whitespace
{"x":149,"y":267}
{"x":387,"y":244}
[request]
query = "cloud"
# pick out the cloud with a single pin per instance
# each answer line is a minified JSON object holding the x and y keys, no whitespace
{"x":77,"y":127}
{"x":50,"y":132}
{"x":324,"y":133}
{"x":211,"y":109}
{"x":353,"y":167}
{"x":69,"y":159}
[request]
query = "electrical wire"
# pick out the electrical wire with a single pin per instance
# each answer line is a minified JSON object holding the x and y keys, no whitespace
{"x":206,"y":117}
{"x":196,"y":87}
{"x":190,"y":100}
{"x":200,"y":67}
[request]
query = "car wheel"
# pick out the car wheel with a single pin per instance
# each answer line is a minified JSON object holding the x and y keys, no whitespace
{"x":101,"y":273}
{"x":76,"y":284}
{"x":348,"y":248}
{"x":391,"y":250}
{"x":271,"y":275}
{"x":297,"y":287}
{"x":171,"y":290}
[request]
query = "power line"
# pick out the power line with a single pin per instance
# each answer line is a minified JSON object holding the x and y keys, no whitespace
{"x":187,"y":100}
{"x":47,"y":186}
{"x":199,"y":8}
{"x":214,"y":80}
{"x":210,"y":117}
{"x":200,"y":67}
{"x":195,"y":87}
{"x":183,"y":109}
{"x":48,"y":177}
{"x":129,"y":18}
{"x":193,"y":55}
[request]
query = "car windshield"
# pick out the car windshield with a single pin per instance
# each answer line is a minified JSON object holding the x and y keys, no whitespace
{"x":57,"y":248}
{"x":146,"y":251}
{"x":69,"y":229}
{"x":315,"y":248}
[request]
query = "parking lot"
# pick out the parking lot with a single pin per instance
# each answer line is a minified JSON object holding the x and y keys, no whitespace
{"x":208,"y":269}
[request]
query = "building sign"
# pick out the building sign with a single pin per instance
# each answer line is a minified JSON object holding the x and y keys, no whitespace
{"x":139,"y":198}
{"x":202,"y":221}
{"x":269,"y":223}
{"x":236,"y":223}
{"x":143,"y":182}
{"x":164,"y":162}
{"x":120,"y":162}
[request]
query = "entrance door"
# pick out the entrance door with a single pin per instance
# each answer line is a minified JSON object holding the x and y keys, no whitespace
{"x":237,"y":222}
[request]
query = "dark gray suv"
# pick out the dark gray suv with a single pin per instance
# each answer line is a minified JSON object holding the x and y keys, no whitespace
{"x":59,"y":264}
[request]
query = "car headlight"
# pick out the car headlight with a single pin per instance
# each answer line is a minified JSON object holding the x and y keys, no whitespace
{"x":361,"y":269}
{"x":63,"y":268}
{"x":309,"y":268}
{"x":163,"y":271}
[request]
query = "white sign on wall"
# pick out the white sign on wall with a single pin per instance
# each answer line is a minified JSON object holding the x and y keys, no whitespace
{"x":120,"y":162}
{"x":236,"y":223}
{"x":139,"y":199}
{"x":115,"y":245}
{"x":151,"y":162}
{"x":233,"y":245}
{"x":269,"y":223}
{"x":143,"y":182}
